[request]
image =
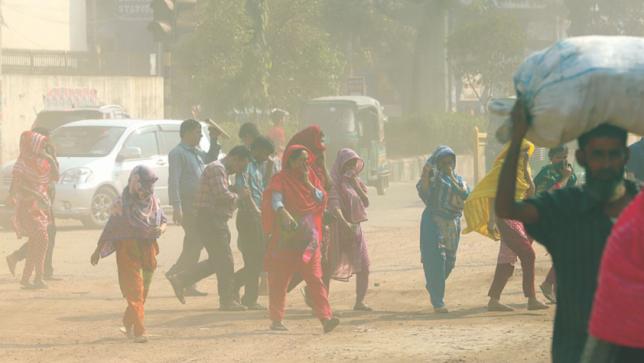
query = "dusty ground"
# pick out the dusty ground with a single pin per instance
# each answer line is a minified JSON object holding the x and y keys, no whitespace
{"x":78,"y":318}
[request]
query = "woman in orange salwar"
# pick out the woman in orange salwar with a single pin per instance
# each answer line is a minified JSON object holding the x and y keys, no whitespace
{"x":132,"y":231}
{"x":35,"y":168}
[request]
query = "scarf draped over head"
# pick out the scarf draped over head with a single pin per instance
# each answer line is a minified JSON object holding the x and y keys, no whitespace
{"x":143,"y":214}
{"x":438,"y":154}
{"x":135,"y":217}
{"x":33,"y":169}
{"x":311,"y":139}
{"x":477,"y":206}
{"x":298,"y":199}
{"x":32,"y":173}
{"x":343,"y":195}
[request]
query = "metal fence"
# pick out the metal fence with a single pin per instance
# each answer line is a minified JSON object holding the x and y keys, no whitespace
{"x":77,"y":63}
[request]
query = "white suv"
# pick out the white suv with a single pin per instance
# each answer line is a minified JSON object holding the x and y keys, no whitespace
{"x":96,"y":158}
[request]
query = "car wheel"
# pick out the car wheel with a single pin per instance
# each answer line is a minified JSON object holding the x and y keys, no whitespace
{"x":100,"y":208}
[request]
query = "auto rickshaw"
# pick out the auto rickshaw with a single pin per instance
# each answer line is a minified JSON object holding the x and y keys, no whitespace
{"x":355,"y":122}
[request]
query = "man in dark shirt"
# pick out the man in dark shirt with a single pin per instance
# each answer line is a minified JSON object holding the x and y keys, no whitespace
{"x":572,"y":223}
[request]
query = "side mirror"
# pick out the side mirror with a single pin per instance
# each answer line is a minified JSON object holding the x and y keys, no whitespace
{"x":130,"y":152}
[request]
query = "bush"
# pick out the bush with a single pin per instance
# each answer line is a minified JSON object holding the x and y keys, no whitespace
{"x":413,"y":136}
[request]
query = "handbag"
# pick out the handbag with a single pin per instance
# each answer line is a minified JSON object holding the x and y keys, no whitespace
{"x":298,"y":237}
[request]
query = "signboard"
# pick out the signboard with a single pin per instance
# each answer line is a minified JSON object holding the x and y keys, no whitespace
{"x":138,"y":10}
{"x":65,"y":98}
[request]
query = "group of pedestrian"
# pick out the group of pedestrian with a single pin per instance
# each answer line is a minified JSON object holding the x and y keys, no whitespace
{"x":298,"y":222}
{"x":574,"y":224}
{"x":295,"y":222}
{"x":572,"y":221}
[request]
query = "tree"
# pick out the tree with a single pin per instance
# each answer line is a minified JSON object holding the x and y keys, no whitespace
{"x":485,"y":52}
{"x":246,"y":56}
{"x":429,"y":88}
{"x":377,"y":40}
{"x":606,"y":17}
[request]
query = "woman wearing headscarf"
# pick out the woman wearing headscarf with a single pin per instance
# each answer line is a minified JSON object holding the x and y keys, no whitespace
{"x":312,"y":138}
{"x":35,"y":168}
{"x":292,"y":212}
{"x":443,"y":192}
{"x":137,"y":221}
{"x":480,"y":217}
{"x":348,"y":201}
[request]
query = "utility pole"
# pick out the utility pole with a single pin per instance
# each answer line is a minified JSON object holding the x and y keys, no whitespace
{"x":166,"y":26}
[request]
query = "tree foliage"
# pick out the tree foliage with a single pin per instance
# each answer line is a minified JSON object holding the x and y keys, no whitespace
{"x":606,"y":17}
{"x":257,"y":54}
{"x":485,"y":52}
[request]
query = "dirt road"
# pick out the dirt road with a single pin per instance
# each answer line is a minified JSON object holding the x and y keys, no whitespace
{"x":77,"y":319}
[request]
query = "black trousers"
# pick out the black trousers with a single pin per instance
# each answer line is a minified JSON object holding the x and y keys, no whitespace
{"x":21,"y":253}
{"x":213,"y":231}
{"x":192,"y":243}
{"x":251,"y":244}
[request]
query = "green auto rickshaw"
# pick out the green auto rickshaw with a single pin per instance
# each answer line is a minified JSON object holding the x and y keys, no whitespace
{"x":355,"y":122}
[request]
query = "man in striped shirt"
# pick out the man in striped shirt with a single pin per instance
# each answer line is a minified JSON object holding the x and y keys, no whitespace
{"x":572,"y":223}
{"x":215,"y":202}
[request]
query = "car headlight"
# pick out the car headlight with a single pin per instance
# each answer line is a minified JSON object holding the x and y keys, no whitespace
{"x":76,"y":176}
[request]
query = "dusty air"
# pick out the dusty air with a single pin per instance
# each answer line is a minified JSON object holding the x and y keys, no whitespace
{"x":322,"y":181}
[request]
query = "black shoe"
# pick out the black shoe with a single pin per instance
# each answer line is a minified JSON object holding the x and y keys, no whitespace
{"x":278,"y":326}
{"x":192,"y":291}
{"x":178,"y":289}
{"x":232,"y":306}
{"x":330,"y":324}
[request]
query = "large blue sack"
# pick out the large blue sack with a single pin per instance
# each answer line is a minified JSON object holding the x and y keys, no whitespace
{"x":580,"y":83}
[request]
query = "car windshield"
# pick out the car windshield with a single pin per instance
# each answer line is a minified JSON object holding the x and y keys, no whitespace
{"x":53,"y":119}
{"x":86,"y":141}
{"x":337,"y":118}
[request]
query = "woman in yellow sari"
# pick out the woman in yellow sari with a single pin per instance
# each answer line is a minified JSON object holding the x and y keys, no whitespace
{"x":515,"y":243}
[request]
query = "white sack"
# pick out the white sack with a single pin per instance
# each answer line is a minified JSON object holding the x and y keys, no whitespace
{"x":580,"y":83}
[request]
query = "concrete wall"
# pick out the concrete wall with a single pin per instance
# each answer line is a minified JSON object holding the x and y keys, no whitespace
{"x":45,"y":24}
{"x":25,"y":95}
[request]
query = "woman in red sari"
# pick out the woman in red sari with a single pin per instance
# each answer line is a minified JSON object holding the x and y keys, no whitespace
{"x":35,"y":168}
{"x":312,"y":138}
{"x":292,"y":212}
